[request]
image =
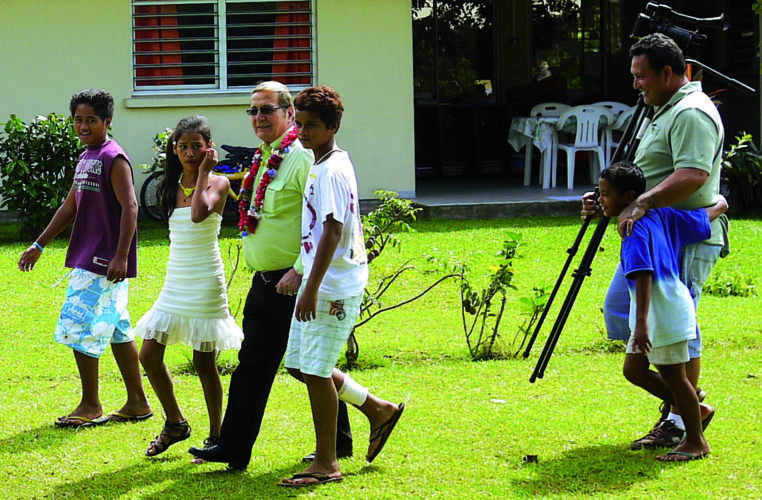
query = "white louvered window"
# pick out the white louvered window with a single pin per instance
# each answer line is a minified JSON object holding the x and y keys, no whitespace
{"x":221,"y":44}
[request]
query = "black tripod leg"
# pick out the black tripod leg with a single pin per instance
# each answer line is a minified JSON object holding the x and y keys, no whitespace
{"x":580,"y":274}
{"x":572,"y":251}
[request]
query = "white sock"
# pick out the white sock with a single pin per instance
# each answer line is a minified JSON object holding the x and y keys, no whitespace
{"x":677,"y":419}
{"x":353,"y":393}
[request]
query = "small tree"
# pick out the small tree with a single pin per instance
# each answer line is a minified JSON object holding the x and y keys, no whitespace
{"x":37,"y":163}
{"x":379,"y":227}
{"x":487,"y":306}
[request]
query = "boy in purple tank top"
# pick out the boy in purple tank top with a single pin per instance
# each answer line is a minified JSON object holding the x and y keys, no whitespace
{"x":102,"y":254}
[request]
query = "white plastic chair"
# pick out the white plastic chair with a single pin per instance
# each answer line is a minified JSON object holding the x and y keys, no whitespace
{"x":612,"y":141}
{"x":588,"y":136}
{"x":616,"y":108}
{"x":540,"y":110}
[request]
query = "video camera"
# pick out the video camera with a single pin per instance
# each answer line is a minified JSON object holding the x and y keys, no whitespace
{"x":662,"y":20}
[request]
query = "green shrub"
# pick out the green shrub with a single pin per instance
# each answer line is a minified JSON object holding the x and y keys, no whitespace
{"x":742,"y":170}
{"x":159,"y":157}
{"x":37,"y":163}
{"x":726,"y":285}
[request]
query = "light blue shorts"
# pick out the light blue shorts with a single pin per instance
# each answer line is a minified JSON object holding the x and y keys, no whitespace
{"x":696,"y":263}
{"x":314,"y":346}
{"x":94,"y":314}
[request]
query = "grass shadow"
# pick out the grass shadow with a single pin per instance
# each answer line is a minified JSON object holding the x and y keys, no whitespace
{"x":173,"y":477}
{"x":590,"y":470}
{"x":43,"y":437}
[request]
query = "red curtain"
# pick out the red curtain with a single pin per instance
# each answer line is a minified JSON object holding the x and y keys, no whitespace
{"x":158,"y":45}
{"x":285,"y":30}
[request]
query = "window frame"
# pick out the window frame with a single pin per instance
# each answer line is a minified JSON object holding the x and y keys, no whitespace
{"x":220,"y":40}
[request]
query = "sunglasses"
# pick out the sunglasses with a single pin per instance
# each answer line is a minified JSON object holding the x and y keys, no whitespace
{"x":265,"y":110}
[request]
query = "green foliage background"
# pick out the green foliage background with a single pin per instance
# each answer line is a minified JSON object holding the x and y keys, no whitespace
{"x":37,"y":162}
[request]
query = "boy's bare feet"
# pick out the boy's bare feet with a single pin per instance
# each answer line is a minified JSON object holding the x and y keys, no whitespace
{"x":315,"y":473}
{"x":80,"y":416}
{"x":135,"y":409}
{"x":685,"y":452}
{"x":304,"y":479}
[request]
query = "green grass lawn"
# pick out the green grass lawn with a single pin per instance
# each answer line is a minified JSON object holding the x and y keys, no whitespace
{"x":467,"y":427}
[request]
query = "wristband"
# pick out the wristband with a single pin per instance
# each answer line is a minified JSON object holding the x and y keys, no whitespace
{"x":39,"y":247}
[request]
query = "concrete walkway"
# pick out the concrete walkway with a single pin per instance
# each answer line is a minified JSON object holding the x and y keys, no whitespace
{"x":495,"y":198}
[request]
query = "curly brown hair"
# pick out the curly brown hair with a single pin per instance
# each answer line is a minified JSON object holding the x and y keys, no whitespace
{"x":322,"y":100}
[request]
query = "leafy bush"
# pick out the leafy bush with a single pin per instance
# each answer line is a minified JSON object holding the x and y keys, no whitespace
{"x":742,"y":170}
{"x":726,"y":285}
{"x":37,"y":163}
{"x":159,"y":157}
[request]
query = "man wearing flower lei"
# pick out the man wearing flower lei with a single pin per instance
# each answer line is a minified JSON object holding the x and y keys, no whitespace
{"x":270,"y":223}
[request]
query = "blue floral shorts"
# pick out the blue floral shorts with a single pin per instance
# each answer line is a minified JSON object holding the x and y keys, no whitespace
{"x":94,"y":314}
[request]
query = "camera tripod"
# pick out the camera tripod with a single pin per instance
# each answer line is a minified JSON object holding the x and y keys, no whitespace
{"x":626,"y":150}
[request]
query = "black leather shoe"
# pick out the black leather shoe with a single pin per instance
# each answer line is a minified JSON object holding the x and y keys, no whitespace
{"x":339,"y":454}
{"x":216,"y":453}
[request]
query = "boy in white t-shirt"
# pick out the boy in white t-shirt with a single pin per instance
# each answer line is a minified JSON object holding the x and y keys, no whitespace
{"x":336,"y":272}
{"x":662,"y":312}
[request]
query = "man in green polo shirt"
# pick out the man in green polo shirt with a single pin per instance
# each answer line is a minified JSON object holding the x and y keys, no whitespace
{"x":680,"y":155}
{"x":271,"y":227}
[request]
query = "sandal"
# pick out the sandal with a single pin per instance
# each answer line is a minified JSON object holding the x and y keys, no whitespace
{"x":211,"y":441}
{"x":170,"y":434}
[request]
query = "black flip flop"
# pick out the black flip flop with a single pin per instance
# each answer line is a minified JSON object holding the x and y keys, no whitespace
{"x":320,"y":477}
{"x":66,"y":422}
{"x":384,"y":431}
{"x":119,"y":417}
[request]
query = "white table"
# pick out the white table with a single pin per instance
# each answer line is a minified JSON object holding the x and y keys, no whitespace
{"x":539,"y":131}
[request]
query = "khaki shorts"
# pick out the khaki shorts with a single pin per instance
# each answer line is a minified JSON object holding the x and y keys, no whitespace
{"x":672,"y":354}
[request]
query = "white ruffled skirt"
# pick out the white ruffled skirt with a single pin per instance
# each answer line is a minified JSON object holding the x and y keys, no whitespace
{"x":192,"y":307}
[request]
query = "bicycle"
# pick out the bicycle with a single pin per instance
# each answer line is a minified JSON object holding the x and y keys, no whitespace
{"x":234,"y":166}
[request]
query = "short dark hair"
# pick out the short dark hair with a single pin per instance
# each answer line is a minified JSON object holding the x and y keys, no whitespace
{"x":661,"y":51}
{"x":322,"y":100}
{"x":625,"y":176}
{"x":100,"y":100}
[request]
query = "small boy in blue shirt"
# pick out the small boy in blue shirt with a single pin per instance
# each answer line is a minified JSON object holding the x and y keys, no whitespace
{"x":662,"y":313}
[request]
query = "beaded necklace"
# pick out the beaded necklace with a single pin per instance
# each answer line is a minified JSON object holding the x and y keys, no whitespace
{"x":188,"y":191}
{"x":250,"y":212}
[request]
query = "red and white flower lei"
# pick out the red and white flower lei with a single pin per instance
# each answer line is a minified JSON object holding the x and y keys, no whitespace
{"x":250,"y":213}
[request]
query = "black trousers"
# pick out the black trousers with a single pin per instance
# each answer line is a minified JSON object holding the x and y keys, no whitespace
{"x":266,"y":325}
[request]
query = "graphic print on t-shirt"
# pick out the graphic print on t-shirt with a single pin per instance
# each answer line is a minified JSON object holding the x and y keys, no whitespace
{"x":86,"y":175}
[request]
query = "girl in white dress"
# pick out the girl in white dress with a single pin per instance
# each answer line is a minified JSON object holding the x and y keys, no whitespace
{"x":192,"y":308}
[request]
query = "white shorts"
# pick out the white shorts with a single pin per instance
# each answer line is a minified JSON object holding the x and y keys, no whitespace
{"x":672,"y":354}
{"x":314,"y":346}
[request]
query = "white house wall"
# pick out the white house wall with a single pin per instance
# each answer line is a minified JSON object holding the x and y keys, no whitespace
{"x":53,"y":48}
